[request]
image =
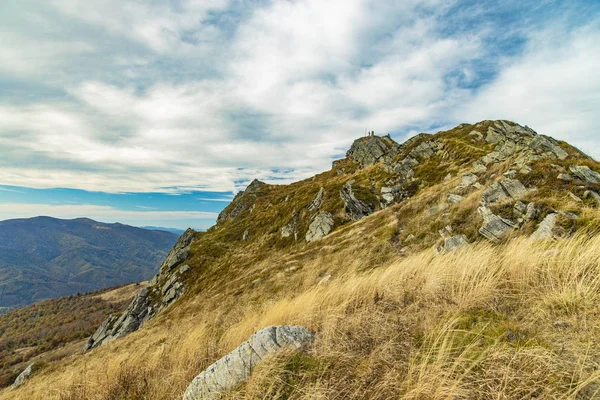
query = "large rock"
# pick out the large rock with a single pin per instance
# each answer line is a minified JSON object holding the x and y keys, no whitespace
{"x":426,"y":150}
{"x":453,"y":243}
{"x":504,"y":190}
{"x":356,"y":209}
{"x":320,"y":226}
{"x":23,"y":376}
{"x":237,"y":366}
{"x":543,"y":143}
{"x":316,"y":202}
{"x":586,"y":174}
{"x":494,"y":227}
{"x":591,"y":194}
{"x":150,"y":300}
{"x":371,"y":149}
{"x":545,"y":229}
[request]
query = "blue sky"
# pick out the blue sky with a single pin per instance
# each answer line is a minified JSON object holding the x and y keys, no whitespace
{"x":158,"y":112}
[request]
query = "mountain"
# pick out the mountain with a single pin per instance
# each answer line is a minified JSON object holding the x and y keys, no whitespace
{"x":178,"y":232}
{"x":43,"y":257}
{"x":460,"y":264}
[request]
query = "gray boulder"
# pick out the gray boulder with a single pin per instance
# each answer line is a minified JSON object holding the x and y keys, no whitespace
{"x":356,"y":209}
{"x":454,"y":198}
{"x":316,"y":202}
{"x":237,"y":366}
{"x":504,"y":190}
{"x":564,"y":177}
{"x":426,"y":150}
{"x":494,"y":227}
{"x":543,"y":143}
{"x":23,"y":376}
{"x":453,"y":243}
{"x":546,"y":228}
{"x":178,"y":253}
{"x":531,"y":212}
{"x":320,"y":226}
{"x":467,"y":180}
{"x":586,"y":174}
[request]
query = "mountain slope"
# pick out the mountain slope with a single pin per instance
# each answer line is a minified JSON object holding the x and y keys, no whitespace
{"x":463,"y":264}
{"x":42,"y":258}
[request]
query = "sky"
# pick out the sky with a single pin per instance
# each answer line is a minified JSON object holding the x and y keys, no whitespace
{"x":153,"y":112}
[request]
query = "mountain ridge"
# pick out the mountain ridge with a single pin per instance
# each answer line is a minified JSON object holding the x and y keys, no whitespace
{"x":45,"y":257}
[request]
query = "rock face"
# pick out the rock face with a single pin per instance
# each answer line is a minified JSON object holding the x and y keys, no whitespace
{"x":23,"y":376}
{"x":586,"y":174}
{"x":237,"y":366}
{"x":545,"y":228}
{"x":316,"y":202}
{"x":371,"y":149}
{"x":143,"y":308}
{"x":356,"y":209}
{"x":320,"y":226}
{"x":242,"y":201}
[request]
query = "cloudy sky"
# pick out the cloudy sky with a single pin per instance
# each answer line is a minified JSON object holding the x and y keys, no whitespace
{"x":156,"y":112}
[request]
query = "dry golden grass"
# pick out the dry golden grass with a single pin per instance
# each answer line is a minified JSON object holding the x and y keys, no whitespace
{"x":515,"y":321}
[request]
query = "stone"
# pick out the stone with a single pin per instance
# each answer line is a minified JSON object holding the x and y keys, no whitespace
{"x":246,"y":236}
{"x":493,"y":137}
{"x":453,"y":243}
{"x":237,"y":366}
{"x":514,"y":188}
{"x":455,"y":198}
{"x":23,"y":376}
{"x":320,"y":226}
{"x":316,"y":202}
{"x":520,"y":208}
{"x":325,"y":279}
{"x":531,"y":212}
{"x":593,"y":195}
{"x":545,"y":228}
{"x":510,"y":174}
{"x":467,"y":180}
{"x":543,"y":143}
{"x":525,"y":170}
{"x":356,"y":209}
{"x":479,"y":167}
{"x":564,"y":177}
{"x":494,"y":227}
{"x":476,"y":136}
{"x":387,"y":194}
{"x":504,"y":190}
{"x":370,"y":150}
{"x":586,"y":174}
{"x":574,"y":197}
{"x":426,"y":150}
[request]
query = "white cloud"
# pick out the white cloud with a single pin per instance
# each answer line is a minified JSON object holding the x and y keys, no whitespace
{"x":287,"y":86}
{"x":554,"y":87}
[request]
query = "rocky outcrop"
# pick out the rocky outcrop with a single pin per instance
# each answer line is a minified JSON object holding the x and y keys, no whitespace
{"x":426,"y":150}
{"x":320,"y":226}
{"x":316,"y":202}
{"x":391,"y":194}
{"x":23,"y":376}
{"x":494,"y":227}
{"x":545,"y":229}
{"x":237,"y":366}
{"x":243,"y":201}
{"x":371,"y":149}
{"x":586,"y":174}
{"x":356,"y":209}
{"x":150,"y":300}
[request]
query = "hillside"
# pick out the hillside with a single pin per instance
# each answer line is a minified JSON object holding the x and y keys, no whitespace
{"x":42,"y":258}
{"x":463,"y":264}
{"x":53,"y":329}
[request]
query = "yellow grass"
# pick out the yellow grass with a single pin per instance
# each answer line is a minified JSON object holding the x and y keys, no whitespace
{"x":515,"y":321}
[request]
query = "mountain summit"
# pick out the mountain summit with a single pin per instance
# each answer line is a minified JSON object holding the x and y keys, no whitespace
{"x":408,"y":270}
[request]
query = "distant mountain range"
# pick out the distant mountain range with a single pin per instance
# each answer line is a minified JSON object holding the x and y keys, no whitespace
{"x":160,"y":228}
{"x":43,"y":257}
